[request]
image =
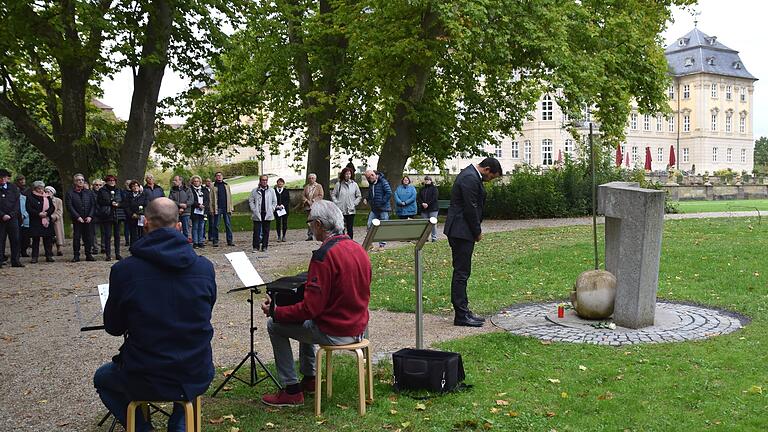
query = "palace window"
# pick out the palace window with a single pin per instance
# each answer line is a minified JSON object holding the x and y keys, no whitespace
{"x":743,"y":94}
{"x":569,"y":147}
{"x":527,"y":152}
{"x":634,"y":154}
{"x":515,"y":150}
{"x":728,"y":122}
{"x":671,"y":91}
{"x":660,"y":154}
{"x":633,"y":121}
{"x":671,"y":120}
{"x":743,"y":124}
{"x":728,"y":92}
{"x":686,"y":155}
{"x":714,"y":90}
{"x":497,"y":150}
{"x":546,"y":108}
{"x":646,"y":122}
{"x":546,"y":152}
{"x":743,"y":155}
{"x":686,"y":91}
{"x":714,"y":122}
{"x":659,"y":122}
{"x":714,"y":154}
{"x":686,"y":123}
{"x":728,"y":154}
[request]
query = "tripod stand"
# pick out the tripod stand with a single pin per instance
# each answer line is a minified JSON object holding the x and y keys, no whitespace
{"x":252,"y":356}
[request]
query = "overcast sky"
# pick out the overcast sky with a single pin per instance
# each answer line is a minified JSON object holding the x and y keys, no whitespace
{"x":737,"y":24}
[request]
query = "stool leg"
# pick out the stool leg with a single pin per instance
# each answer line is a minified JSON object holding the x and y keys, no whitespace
{"x":145,"y":411}
{"x":130,"y":418}
{"x":360,"y":381}
{"x":198,"y":414}
{"x":369,"y":371}
{"x":329,"y":374}
{"x":189,"y":417}
{"x":318,"y":380}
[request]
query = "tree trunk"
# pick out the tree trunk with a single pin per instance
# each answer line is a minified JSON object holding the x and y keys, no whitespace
{"x":140,"y":131}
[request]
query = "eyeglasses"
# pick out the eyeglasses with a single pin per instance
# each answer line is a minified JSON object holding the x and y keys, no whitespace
{"x":79,"y":179}
{"x":310,"y":220}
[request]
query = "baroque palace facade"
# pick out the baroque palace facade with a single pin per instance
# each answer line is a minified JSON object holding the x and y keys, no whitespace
{"x":710,"y":127}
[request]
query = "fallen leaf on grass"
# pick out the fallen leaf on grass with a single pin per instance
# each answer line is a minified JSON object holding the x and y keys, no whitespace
{"x":393,"y":412}
{"x":495,"y":410}
{"x":228,"y":372}
{"x":319,"y":422}
{"x":582,"y":368}
{"x":234,"y":429}
{"x":605,"y":396}
{"x":269,"y":425}
{"x":550,"y":414}
{"x":755,"y":390}
{"x":564,"y":395}
{"x":501,"y":394}
{"x":405,"y":425}
{"x":553,"y":380}
{"x":512,"y":414}
{"x":342,"y":406}
{"x":501,"y":402}
{"x":216,"y":420}
{"x":230,"y":417}
{"x":420,"y":407}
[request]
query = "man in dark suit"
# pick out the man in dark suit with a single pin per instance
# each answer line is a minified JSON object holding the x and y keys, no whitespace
{"x":463,"y":229}
{"x":9,"y":218}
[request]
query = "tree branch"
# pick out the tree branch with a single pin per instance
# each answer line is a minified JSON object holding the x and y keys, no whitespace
{"x":31,"y":130}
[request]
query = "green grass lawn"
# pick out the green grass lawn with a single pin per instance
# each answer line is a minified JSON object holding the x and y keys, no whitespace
{"x":722,"y":206}
{"x":242,"y":179}
{"x":522,"y":384}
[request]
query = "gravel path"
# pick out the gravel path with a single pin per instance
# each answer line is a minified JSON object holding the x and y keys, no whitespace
{"x":46,"y":363}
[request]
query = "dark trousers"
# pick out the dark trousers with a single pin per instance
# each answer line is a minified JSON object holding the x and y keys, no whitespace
{"x":261,"y":234}
{"x":82,"y":231}
{"x":281,"y":226}
{"x":25,"y":241}
{"x":461,"y":254}
{"x":47,"y":246}
{"x":134,"y":230}
{"x":97,"y":248}
{"x":10,"y":230}
{"x":109,"y":229}
{"x":349,"y":224}
{"x":211,"y":227}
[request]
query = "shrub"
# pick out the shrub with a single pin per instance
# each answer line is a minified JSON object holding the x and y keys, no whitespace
{"x":244,"y":168}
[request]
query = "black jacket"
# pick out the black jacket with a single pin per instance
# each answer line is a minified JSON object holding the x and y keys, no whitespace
{"x":284,"y":199}
{"x":34,"y":208}
{"x":132,"y":204}
{"x":427,"y":194}
{"x":161,"y":298}
{"x":105,"y":211}
{"x":195,"y":202}
{"x":9,"y":201}
{"x":466,"y":210}
{"x":80,"y":204}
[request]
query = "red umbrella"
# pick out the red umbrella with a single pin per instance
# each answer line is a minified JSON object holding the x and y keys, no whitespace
{"x":626,"y":160}
{"x":672,"y":159}
{"x":648,"y":159}
{"x":619,"y":158}
{"x":559,"y":157}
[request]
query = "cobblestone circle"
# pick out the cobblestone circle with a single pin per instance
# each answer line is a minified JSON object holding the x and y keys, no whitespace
{"x":689,"y":322}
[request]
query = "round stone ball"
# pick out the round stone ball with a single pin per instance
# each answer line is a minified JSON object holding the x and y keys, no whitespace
{"x":595,"y":294}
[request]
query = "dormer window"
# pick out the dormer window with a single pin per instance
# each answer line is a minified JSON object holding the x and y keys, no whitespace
{"x":682,"y":42}
{"x":711,"y":61}
{"x":737,"y":65}
{"x":688,"y":61}
{"x":712,"y":40}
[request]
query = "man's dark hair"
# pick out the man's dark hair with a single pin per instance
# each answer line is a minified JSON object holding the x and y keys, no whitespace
{"x":4,"y":172}
{"x":263,"y":176}
{"x":162,"y":213}
{"x":491,"y":163}
{"x":217,"y":173}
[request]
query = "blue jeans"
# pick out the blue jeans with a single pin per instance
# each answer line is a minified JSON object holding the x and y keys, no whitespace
{"x":427,"y":215}
{"x":382,"y":217}
{"x":111,"y":387}
{"x":307,"y":333}
{"x":227,"y":225}
{"x":198,"y":229}
{"x":184,"y":219}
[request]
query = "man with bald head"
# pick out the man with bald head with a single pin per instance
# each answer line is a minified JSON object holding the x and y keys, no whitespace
{"x":160,"y":299}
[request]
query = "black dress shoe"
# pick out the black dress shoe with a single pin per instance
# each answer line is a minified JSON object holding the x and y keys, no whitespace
{"x":49,"y":259}
{"x":108,"y":258}
{"x":33,"y":260}
{"x":230,"y":243}
{"x":118,"y":257}
{"x":90,"y":258}
{"x":476,"y":317}
{"x":467,"y":322}
{"x":76,"y":259}
{"x":17,"y":265}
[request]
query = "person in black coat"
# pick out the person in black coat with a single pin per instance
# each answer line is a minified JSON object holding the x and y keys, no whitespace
{"x":40,"y":208}
{"x":462,"y":227}
{"x":111,"y":213}
{"x":201,"y":202}
{"x":9,"y":218}
{"x":427,"y":203}
{"x":81,"y":204}
{"x":161,"y":298}
{"x":135,"y":203}
{"x":283,"y":203}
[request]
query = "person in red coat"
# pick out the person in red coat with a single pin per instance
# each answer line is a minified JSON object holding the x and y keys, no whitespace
{"x":334,"y":310}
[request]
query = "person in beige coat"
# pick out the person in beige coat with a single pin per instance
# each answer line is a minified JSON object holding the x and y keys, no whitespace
{"x":313,"y":192}
{"x":57,"y":218}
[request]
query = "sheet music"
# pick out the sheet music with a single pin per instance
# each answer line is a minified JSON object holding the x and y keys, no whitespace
{"x":103,"y":294}
{"x":244,"y":269}
{"x":281,"y":212}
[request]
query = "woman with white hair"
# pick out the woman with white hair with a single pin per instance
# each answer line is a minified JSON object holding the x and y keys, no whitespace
{"x":313,"y":192}
{"x":57,"y":218}
{"x":40,"y":209}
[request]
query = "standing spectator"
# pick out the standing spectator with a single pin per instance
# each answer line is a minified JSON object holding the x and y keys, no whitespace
{"x":81,"y":204}
{"x":428,"y":204}
{"x":201,"y":202}
{"x":57,"y":218}
{"x":263,"y":202}
{"x":152,"y":190}
{"x":183,"y":199}
{"x":40,"y":208}
{"x":126,"y":226}
{"x":24,"y":216}
{"x":24,"y":239}
{"x":9,"y":218}
{"x":379,"y":194}
{"x":313,"y":192}
{"x":111,"y":212}
{"x":21,"y":184}
{"x":222,"y":207}
{"x":135,"y":204}
{"x":98,"y":238}
{"x":463,"y":230}
{"x":347,"y":196}
{"x":283,"y":203}
{"x":208,"y":211}
{"x":405,"y":198}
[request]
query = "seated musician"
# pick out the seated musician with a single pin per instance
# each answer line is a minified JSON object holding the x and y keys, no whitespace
{"x":160,"y":299}
{"x":334,"y":310}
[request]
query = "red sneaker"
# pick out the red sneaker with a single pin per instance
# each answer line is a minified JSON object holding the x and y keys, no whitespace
{"x":283,"y":399}
{"x":189,"y":240}
{"x":308,"y":385}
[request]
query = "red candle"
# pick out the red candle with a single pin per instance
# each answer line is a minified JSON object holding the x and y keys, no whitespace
{"x":560,"y":311}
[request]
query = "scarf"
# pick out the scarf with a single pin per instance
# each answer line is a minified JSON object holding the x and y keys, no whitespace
{"x":198,"y":194}
{"x":44,"y":219}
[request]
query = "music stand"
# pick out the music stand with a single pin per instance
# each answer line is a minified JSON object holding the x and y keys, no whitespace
{"x":251,"y":356}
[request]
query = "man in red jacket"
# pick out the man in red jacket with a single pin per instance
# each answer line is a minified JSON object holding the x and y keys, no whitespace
{"x":334,"y":310}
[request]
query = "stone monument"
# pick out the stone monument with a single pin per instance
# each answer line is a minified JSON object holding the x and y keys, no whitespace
{"x":634,"y":220}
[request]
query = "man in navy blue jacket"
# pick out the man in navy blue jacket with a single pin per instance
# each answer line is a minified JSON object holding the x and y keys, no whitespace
{"x":160,"y":299}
